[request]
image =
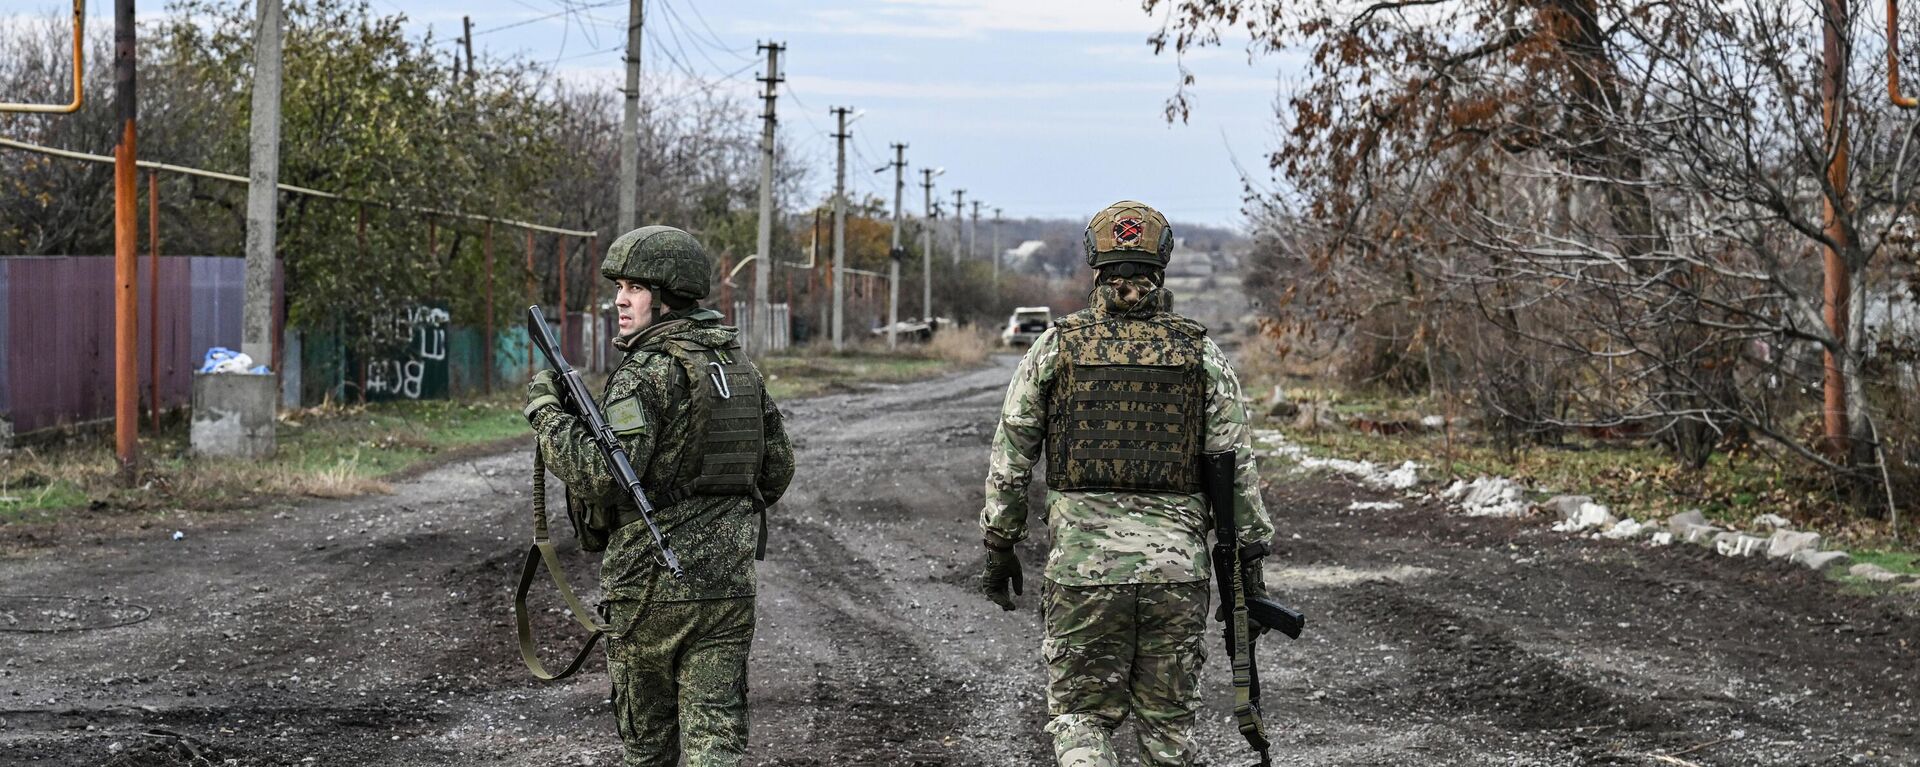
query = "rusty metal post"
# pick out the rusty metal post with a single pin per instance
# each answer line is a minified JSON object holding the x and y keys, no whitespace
{"x":594,"y":323}
{"x":486,"y":362}
{"x":560,"y":264}
{"x":153,"y":299}
{"x":360,"y":237}
{"x":1837,"y":287}
{"x":126,"y":222}
{"x":592,"y":254}
{"x":1893,"y":59}
{"x":726,"y":288}
{"x":533,"y":297}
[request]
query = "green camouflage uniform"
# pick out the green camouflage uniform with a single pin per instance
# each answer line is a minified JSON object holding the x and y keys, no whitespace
{"x":1127,"y":577}
{"x":677,"y":649}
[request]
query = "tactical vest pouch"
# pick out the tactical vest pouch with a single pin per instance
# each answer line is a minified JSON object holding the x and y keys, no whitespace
{"x":725,"y":408}
{"x":592,"y":523}
{"x":1129,"y":427}
{"x":1127,"y":410}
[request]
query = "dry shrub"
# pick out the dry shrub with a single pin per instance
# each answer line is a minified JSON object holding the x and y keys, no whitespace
{"x":959,"y":345}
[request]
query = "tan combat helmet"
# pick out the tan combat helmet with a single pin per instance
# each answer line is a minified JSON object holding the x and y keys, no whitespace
{"x":1129,"y":232}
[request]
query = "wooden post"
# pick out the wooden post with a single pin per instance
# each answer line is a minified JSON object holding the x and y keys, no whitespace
{"x":153,"y":299}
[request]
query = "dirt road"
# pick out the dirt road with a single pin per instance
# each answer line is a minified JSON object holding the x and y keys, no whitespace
{"x":377,"y":631}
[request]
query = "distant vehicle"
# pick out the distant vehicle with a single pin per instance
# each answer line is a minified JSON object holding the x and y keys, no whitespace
{"x":915,"y":330}
{"x":1026,"y":324}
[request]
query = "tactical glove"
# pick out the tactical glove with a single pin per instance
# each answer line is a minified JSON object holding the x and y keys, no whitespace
{"x":542,"y":391}
{"x":1003,"y":568}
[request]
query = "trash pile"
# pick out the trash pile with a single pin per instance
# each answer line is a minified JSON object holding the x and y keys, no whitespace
{"x":221,"y":359}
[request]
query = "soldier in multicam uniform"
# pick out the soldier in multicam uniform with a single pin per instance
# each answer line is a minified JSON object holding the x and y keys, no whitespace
{"x":710,"y":449}
{"x":1125,"y":396}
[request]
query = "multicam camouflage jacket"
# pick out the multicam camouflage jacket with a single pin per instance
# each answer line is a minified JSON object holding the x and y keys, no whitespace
{"x":648,"y":405}
{"x":1108,"y":538}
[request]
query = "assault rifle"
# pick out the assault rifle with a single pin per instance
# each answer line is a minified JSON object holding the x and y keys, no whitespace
{"x":577,"y":401}
{"x":1245,"y":612}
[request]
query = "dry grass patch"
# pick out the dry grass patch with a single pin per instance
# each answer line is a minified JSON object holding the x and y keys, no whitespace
{"x":960,"y":346}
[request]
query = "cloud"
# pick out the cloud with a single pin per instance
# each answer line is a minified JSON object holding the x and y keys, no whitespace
{"x":963,"y":91}
{"x":960,"y":19}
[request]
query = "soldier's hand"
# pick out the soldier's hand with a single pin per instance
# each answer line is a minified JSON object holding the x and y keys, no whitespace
{"x":542,"y":391}
{"x":1253,"y":578}
{"x":1003,"y":569}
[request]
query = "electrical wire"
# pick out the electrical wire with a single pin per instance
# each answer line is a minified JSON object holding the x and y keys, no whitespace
{"x":535,"y":20}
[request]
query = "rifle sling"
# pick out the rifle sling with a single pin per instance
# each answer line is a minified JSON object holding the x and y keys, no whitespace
{"x":539,"y":554}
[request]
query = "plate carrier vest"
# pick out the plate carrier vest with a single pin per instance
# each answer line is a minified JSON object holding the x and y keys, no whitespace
{"x":725,"y":408}
{"x":1127,"y":410}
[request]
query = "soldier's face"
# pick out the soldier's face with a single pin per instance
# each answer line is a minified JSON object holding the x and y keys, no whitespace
{"x":633,"y":303}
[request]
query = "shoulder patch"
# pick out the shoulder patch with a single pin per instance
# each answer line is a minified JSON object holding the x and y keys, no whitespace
{"x":626,"y":416}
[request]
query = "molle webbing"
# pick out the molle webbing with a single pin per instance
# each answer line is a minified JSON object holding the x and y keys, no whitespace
{"x":1127,"y":411}
{"x":725,"y":408}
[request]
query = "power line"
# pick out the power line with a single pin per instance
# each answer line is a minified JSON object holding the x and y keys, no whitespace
{"x":711,"y":35}
{"x":561,"y":12}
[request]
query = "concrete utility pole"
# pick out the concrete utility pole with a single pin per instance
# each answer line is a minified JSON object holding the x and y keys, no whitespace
{"x":263,"y":190}
{"x":126,"y":220}
{"x":959,"y":223}
{"x":629,"y":215}
{"x":466,"y":26}
{"x":973,"y":233}
{"x":895,"y":253}
{"x":996,"y":253}
{"x":760,"y":335}
{"x":926,"y":243}
{"x":840,"y":229}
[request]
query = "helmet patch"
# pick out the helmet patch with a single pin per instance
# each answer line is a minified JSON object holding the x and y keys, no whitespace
{"x":1127,"y":230}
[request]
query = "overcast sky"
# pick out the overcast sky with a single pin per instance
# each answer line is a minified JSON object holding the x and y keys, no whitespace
{"x":1039,"y":107}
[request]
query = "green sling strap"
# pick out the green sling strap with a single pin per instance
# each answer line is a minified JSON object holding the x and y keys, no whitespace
{"x":542,"y":553}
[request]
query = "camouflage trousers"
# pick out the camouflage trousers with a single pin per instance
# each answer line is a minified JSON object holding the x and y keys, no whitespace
{"x":1115,"y":650}
{"x":680,"y":680}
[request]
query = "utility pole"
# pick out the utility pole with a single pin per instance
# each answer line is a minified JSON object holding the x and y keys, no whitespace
{"x":1837,"y":287}
{"x":126,"y":220}
{"x":959,"y":223}
{"x":760,"y":336}
{"x":973,"y":233}
{"x":840,"y":229}
{"x":629,"y":215}
{"x":895,"y":253}
{"x":926,"y":244}
{"x":466,"y":25}
{"x":996,"y":254}
{"x":263,"y":185}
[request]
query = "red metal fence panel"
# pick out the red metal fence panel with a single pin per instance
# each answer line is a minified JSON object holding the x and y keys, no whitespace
{"x":56,"y":333}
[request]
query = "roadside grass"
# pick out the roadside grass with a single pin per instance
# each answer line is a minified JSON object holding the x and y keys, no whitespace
{"x":817,"y":369}
{"x":338,"y":451}
{"x":329,"y":451}
{"x":1903,"y":562}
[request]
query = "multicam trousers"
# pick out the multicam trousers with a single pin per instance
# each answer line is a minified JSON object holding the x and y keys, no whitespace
{"x":1114,"y":650}
{"x":680,"y":680}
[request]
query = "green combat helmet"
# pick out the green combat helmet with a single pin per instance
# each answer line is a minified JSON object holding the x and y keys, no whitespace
{"x":1129,"y":232}
{"x":663,"y":257}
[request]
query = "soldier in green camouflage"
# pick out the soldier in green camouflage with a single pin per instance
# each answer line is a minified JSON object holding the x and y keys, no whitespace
{"x":710,"y":449}
{"x":1125,"y":396}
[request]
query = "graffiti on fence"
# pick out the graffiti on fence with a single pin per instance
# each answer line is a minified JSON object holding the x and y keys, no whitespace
{"x":417,"y":366}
